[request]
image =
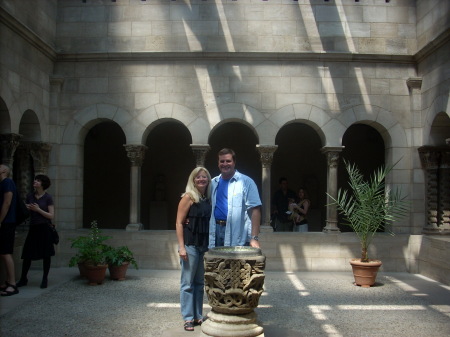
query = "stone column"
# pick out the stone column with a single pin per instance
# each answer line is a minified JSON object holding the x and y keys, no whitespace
{"x":8,"y":145}
{"x":200,"y":151}
{"x":332,"y":154}
{"x":40,"y":152}
{"x":266,"y":152}
{"x":136,"y":154}
{"x":435,"y":161}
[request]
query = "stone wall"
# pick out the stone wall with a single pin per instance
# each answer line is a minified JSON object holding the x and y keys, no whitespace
{"x":416,"y":254}
{"x":432,"y":20}
{"x":374,"y":27}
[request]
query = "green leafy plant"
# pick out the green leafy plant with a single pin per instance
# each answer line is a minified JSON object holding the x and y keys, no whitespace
{"x":116,"y":256}
{"x":370,"y":205}
{"x":91,"y":249}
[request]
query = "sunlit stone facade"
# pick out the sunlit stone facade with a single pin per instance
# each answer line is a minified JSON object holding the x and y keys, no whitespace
{"x":117,"y":101}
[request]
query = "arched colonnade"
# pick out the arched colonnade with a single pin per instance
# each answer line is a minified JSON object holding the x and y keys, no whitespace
{"x":136,"y":128}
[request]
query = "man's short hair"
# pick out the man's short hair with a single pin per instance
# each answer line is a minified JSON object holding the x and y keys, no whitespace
{"x":282,"y":179}
{"x":225,"y":151}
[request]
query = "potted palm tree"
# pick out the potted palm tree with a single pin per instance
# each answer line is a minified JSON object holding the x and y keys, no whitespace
{"x":367,"y":209}
{"x":92,"y":255}
{"x":119,"y":258}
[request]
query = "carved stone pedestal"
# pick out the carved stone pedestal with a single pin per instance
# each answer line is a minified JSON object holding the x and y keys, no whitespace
{"x":234,"y":280}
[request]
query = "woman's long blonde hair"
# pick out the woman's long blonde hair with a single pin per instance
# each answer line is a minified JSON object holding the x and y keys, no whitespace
{"x":191,"y":190}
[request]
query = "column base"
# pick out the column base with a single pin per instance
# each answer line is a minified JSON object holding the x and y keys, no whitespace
{"x":134,"y":227}
{"x":266,"y":229}
{"x":329,"y":229}
{"x":223,"y":325}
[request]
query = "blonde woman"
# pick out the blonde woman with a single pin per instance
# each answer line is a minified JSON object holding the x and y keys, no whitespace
{"x":192,"y":225}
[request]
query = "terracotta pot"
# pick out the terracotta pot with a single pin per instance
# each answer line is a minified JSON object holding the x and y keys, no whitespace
{"x":95,"y":274}
{"x":118,"y":272}
{"x":365,"y":273}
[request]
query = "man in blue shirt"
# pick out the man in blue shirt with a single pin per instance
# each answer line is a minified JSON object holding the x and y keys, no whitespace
{"x":236,"y":206}
{"x":8,"y":195}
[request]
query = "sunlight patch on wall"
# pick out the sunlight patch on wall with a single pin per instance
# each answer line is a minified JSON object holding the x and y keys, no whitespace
{"x":345,"y":26}
{"x":364,"y":92}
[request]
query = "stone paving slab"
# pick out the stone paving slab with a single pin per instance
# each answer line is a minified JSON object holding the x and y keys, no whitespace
{"x":293,"y":304}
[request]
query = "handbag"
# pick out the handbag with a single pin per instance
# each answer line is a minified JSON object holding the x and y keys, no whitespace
{"x":54,"y":233}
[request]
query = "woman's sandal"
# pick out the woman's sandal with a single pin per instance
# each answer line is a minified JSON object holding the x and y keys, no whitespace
{"x":10,"y":293}
{"x":189,"y":325}
{"x":199,"y":321}
{"x":3,"y":287}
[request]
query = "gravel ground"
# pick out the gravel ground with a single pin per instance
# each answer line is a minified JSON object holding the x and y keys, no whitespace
{"x":311,"y":304}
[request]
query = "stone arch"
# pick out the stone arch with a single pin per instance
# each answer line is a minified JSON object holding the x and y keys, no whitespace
{"x":5,"y":118}
{"x":26,"y":103}
{"x":440,"y":104}
{"x":146,"y":119}
{"x":84,"y":119}
{"x":30,"y":127}
{"x":392,"y":132}
{"x":70,"y":154}
{"x":329,"y":129}
{"x":245,"y":114}
{"x":11,"y":109}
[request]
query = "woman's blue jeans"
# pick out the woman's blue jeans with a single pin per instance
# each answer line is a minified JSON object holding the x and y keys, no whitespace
{"x":192,"y":283}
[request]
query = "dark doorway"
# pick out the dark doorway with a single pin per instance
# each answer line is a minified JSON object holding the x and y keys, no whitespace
{"x":168,"y":162}
{"x":364,"y":146}
{"x":106,"y":188}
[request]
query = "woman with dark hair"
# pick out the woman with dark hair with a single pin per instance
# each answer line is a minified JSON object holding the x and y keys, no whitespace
{"x":38,"y":244}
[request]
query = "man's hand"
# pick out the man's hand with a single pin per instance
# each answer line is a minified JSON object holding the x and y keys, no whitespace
{"x":254,"y":243}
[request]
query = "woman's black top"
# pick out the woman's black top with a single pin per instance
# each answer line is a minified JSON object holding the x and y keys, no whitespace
{"x":196,"y":232}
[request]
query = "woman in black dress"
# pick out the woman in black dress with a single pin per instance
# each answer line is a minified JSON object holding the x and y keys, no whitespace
{"x":38,"y":244}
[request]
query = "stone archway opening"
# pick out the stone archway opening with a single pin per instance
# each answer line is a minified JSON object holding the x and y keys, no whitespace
{"x":299,"y":159}
{"x":167,"y":164}
{"x":364,"y":146}
{"x":106,"y":186}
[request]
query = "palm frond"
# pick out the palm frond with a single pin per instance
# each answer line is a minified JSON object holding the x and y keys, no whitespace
{"x":370,"y":205}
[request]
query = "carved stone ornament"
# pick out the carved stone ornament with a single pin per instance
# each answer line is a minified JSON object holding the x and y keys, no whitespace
{"x":136,"y":154}
{"x":234,"y":280}
{"x":266,"y":153}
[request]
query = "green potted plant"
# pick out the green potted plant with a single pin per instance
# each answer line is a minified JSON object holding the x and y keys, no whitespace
{"x":367,"y":209}
{"x":119,"y":258}
{"x":91,"y":256}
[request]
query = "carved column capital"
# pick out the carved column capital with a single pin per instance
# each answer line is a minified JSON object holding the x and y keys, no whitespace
{"x":332,"y":153}
{"x":8,"y":145}
{"x":136,"y":154}
{"x":200,"y":151}
{"x":430,"y":156}
{"x":266,"y":154}
{"x":40,"y":152}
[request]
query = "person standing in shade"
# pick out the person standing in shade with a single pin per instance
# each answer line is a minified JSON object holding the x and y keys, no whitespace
{"x":8,"y":195}
{"x":236,"y":205}
{"x":280,"y":203}
{"x":38,"y":244}
{"x":300,"y":210}
{"x":192,"y":227}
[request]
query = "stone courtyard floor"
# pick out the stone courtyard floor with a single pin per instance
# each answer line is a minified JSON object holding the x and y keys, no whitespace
{"x":293,"y":304}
